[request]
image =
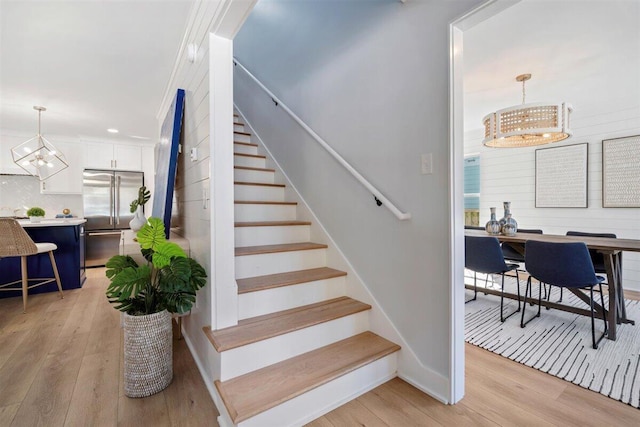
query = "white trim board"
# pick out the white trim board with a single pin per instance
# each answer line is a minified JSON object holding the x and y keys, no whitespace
{"x":456,"y":187}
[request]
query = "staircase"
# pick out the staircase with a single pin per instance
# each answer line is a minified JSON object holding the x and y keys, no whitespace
{"x":301,"y":347}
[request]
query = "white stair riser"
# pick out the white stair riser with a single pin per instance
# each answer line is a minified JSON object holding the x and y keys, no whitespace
{"x":245,"y":149}
{"x":238,"y":127}
{"x":320,"y":400}
{"x":242,"y":360}
{"x":262,"y":264}
{"x":258,"y":193}
{"x":247,"y":175}
{"x":259,"y":212}
{"x":273,"y":235}
{"x":250,"y":162}
{"x":240,"y":137}
{"x":252,"y":304}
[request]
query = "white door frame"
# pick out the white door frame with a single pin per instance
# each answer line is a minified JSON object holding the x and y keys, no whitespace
{"x":456,"y":187}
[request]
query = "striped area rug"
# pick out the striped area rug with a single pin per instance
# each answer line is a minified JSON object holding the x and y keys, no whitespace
{"x":559,"y":343}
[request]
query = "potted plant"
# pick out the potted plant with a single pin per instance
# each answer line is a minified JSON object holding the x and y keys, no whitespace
{"x":136,"y":208}
{"x":147,"y":294}
{"x":35,"y":214}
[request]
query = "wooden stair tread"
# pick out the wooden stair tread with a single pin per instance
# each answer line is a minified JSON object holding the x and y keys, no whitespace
{"x":241,"y":133}
{"x":261,"y":184}
{"x":259,"y":156}
{"x":270,"y":223}
{"x":271,"y":325}
{"x":260,"y":202}
{"x":254,"y":169}
{"x":250,"y":394}
{"x":245,"y":143}
{"x":270,"y":281}
{"x":270,"y":249}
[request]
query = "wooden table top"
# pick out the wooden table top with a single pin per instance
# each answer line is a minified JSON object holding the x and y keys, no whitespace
{"x":599,"y":243}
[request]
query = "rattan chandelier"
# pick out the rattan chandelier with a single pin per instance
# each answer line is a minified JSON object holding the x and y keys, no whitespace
{"x":527,"y":125}
{"x":38,"y":156}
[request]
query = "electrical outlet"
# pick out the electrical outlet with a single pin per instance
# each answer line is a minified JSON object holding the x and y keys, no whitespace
{"x":427,"y":164}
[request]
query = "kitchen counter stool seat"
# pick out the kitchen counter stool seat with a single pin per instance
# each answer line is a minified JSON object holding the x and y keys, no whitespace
{"x":15,"y":242}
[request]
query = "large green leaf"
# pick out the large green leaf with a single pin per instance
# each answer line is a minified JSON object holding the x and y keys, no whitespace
{"x":151,"y":234}
{"x":128,"y":283}
{"x":198,"y":276}
{"x":118,"y":263}
{"x":175,"y":276}
{"x":180,"y":302}
{"x":164,"y":252}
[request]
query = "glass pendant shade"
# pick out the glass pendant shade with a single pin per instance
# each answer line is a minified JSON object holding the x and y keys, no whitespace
{"x":527,"y":125}
{"x":38,"y":156}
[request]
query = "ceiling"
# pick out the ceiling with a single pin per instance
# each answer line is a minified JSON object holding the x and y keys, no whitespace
{"x":105,"y":64}
{"x":584,"y":52}
{"x":93,"y":64}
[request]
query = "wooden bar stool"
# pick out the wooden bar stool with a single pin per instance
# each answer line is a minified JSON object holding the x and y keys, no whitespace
{"x":15,"y":242}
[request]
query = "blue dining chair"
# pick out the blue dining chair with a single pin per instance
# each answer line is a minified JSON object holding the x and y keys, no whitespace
{"x":596,"y":257}
{"x":567,"y":265}
{"x":483,"y":255}
{"x":511,"y":253}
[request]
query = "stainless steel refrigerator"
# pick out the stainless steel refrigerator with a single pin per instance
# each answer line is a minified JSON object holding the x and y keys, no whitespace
{"x":106,"y":196}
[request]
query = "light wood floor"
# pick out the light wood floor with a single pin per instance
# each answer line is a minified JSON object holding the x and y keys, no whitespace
{"x":61,"y":364}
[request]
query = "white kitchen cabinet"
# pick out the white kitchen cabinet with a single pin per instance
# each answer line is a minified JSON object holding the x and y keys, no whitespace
{"x":148,"y":167}
{"x":6,"y":159}
{"x":104,"y":155}
{"x":69,"y":180}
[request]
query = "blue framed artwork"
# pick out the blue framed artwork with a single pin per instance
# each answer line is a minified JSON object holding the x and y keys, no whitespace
{"x":167,"y":163}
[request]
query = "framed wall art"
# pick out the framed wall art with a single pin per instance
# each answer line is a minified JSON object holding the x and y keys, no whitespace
{"x":621,"y":172}
{"x":561,"y":176}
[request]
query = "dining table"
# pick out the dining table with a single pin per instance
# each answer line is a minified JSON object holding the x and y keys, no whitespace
{"x":610,"y":248}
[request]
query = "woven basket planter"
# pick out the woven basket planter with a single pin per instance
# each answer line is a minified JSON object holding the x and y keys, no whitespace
{"x":148,"y":354}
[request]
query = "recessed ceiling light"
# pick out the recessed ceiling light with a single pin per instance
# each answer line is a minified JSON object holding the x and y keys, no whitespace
{"x":112,"y":130}
{"x":139,"y":137}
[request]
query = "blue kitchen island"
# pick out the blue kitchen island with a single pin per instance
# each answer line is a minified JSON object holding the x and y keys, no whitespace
{"x":68,"y":235}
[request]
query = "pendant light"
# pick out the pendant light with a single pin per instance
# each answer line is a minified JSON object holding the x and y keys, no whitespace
{"x":38,"y":156}
{"x":527,"y":125}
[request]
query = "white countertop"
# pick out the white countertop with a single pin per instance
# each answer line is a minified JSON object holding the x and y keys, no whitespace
{"x":52,"y":222}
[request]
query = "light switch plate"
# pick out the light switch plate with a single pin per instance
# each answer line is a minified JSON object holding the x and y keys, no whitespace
{"x":427,"y":164}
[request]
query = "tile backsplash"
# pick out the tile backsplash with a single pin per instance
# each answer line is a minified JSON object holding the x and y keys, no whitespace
{"x":20,"y":192}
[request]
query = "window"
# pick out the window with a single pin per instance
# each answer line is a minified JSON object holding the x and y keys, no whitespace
{"x":472,"y":190}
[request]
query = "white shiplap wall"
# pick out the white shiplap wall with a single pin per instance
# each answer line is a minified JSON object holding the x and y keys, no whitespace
{"x":509,"y":175}
{"x":192,"y":181}
{"x":211,"y":28}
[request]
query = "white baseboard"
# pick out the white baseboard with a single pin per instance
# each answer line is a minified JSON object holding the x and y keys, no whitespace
{"x":224,"y":420}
